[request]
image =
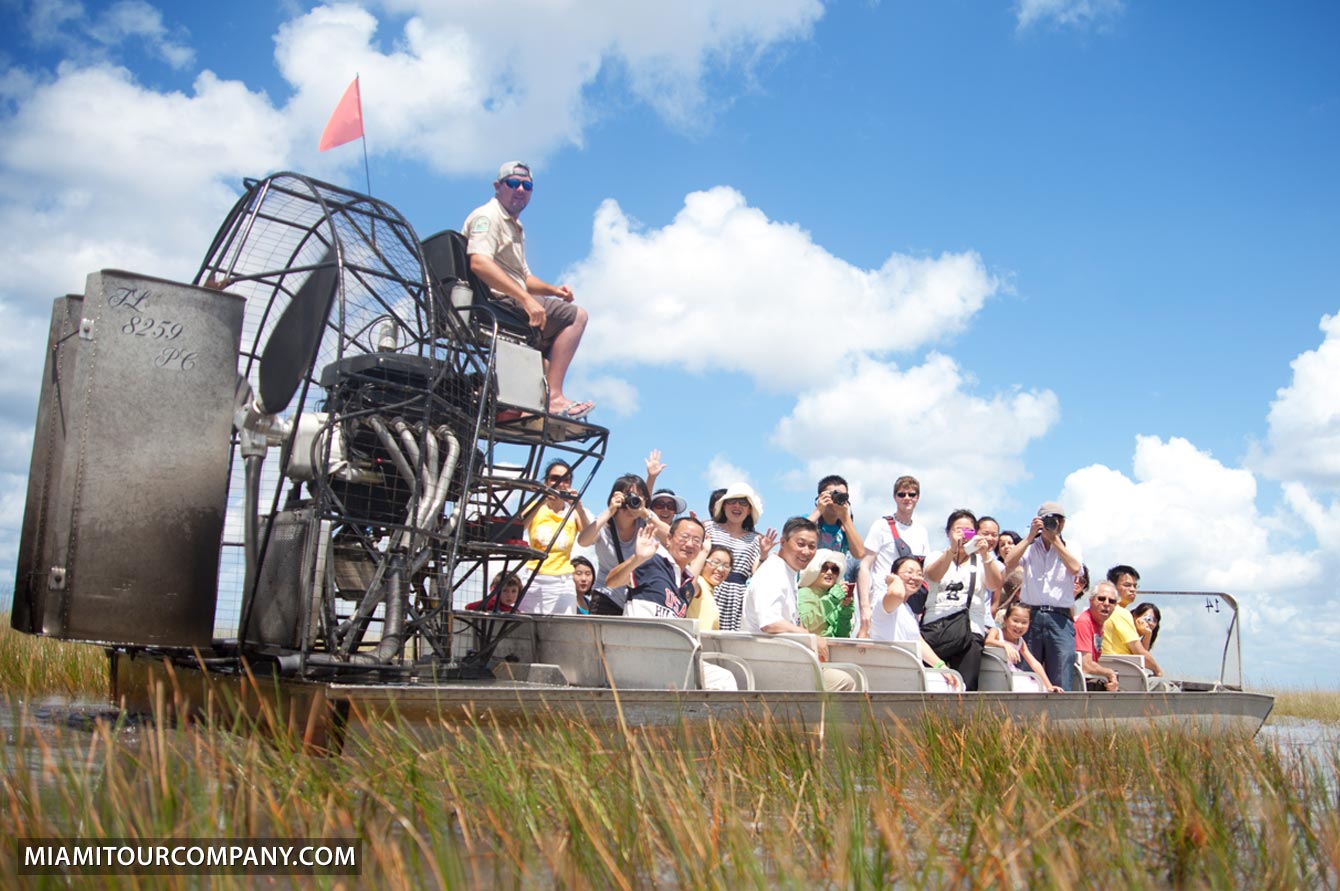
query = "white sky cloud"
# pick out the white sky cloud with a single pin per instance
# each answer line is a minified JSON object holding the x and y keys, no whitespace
{"x":69,"y":26}
{"x":1188,"y":522}
{"x":1075,"y":13}
{"x":1303,"y":442}
{"x":722,"y":287}
{"x":462,"y":82}
{"x":720,"y":472}
{"x":875,"y":422}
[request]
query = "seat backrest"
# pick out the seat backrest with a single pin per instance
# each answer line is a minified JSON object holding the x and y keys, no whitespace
{"x":1131,"y":673}
{"x":629,"y":654}
{"x":448,"y":263}
{"x":888,"y":667}
{"x":996,"y":675}
{"x":778,"y":662}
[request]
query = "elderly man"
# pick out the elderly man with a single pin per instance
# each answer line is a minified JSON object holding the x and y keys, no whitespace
{"x":888,"y":539}
{"x":659,"y":583}
{"x":1120,"y":636}
{"x":1089,"y":636}
{"x":497,"y":249}
{"x":771,"y":602}
{"x":1050,"y":565}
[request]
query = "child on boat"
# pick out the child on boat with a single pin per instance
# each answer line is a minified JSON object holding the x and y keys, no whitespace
{"x":1010,"y":636}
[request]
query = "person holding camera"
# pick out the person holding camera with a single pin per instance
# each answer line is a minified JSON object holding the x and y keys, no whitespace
{"x":832,"y":516}
{"x":1050,"y":565}
{"x":552,"y":591}
{"x":614,"y":534}
{"x":958,"y":603}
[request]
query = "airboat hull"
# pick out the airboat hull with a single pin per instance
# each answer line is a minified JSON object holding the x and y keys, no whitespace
{"x":321,"y":713}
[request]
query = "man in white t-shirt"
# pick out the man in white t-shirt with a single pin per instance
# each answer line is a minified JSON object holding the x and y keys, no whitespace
{"x":771,"y":602}
{"x":882,"y":546}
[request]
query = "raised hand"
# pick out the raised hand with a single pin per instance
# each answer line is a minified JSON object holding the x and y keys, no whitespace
{"x":767,"y":542}
{"x":654,"y":465}
{"x":646,"y":543}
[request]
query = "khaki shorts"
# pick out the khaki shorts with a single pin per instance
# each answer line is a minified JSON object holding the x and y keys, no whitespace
{"x":558,"y":314}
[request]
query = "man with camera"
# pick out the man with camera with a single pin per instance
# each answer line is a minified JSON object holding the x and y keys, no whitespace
{"x":1050,"y":565}
{"x":837,"y":529}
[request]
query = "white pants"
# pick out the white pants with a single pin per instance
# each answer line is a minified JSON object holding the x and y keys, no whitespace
{"x":550,"y":595}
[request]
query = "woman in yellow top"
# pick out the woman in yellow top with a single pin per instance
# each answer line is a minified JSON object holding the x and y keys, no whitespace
{"x":704,"y":605}
{"x":551,"y":591}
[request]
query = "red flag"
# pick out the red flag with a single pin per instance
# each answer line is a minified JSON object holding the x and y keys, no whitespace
{"x":346,"y":123}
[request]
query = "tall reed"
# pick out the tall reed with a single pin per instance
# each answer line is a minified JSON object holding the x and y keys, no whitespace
{"x":35,"y":667}
{"x":559,"y":803}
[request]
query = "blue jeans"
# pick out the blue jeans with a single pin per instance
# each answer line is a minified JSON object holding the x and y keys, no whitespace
{"x":1051,"y":639}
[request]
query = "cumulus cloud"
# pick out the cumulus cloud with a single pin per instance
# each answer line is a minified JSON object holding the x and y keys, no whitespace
{"x":1303,"y":442}
{"x":68,"y":26}
{"x":462,"y":84}
{"x":1189,"y":522}
{"x":1073,"y":13}
{"x":874,"y":422}
{"x":721,"y":472}
{"x":98,"y":171}
{"x":612,"y":394}
{"x":723,"y":287}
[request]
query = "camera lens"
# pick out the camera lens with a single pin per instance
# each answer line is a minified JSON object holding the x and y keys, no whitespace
{"x":632,"y":500}
{"x":839,"y":497}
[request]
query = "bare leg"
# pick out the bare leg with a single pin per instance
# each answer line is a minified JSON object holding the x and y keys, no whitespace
{"x":560,"y":357}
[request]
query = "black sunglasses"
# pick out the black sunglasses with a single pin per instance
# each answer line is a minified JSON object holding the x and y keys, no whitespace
{"x":512,"y":182}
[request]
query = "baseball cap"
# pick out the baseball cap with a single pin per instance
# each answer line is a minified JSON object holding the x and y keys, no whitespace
{"x":514,"y":168}
{"x":1051,"y":508}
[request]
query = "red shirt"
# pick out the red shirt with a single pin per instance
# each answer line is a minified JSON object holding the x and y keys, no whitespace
{"x":1088,"y":634}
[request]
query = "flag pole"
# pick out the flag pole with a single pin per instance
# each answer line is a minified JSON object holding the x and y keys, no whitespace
{"x":367,"y":171}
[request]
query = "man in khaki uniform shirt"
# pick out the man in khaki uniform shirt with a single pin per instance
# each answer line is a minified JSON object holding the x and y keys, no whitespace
{"x":497,"y":249}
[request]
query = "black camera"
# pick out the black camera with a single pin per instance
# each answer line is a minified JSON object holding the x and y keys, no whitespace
{"x":1051,"y":522}
{"x":839,"y":497}
{"x":632,"y":500}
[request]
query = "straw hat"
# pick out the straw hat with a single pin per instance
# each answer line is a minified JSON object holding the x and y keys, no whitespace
{"x":810,"y":574}
{"x":739,"y":490}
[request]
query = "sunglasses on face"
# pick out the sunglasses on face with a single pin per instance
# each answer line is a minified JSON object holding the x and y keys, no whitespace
{"x":513,"y":183}
{"x":1112,"y":600}
{"x":559,"y":478}
{"x":909,"y":494}
{"x":738,"y":502}
{"x":662,"y":505}
{"x":829,"y":568}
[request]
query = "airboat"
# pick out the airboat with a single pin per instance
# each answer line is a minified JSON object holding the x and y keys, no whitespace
{"x":332,"y":430}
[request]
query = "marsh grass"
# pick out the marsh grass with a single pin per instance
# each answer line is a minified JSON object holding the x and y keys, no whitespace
{"x":559,"y":803}
{"x":32,"y":667}
{"x":1310,"y":705}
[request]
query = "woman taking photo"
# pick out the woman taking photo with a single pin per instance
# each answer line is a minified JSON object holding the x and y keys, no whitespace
{"x":551,"y":589}
{"x":959,"y":578}
{"x":614,"y":534}
{"x":732,"y":527}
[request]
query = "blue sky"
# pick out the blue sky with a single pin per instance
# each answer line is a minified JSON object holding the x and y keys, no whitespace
{"x":1074,"y":249}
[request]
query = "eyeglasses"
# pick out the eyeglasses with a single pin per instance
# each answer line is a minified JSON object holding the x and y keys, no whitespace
{"x":909,"y":494}
{"x":829,"y":567}
{"x":512,"y":183}
{"x":663,"y":505}
{"x":685,"y":538}
{"x":741,"y":502}
{"x":718,"y":564}
{"x":1105,"y":600}
{"x":558,"y":478}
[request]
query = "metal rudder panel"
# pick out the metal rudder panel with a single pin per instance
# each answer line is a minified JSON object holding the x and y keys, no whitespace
{"x":136,"y":483}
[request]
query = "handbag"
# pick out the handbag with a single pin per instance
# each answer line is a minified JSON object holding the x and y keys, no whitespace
{"x":950,"y":636}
